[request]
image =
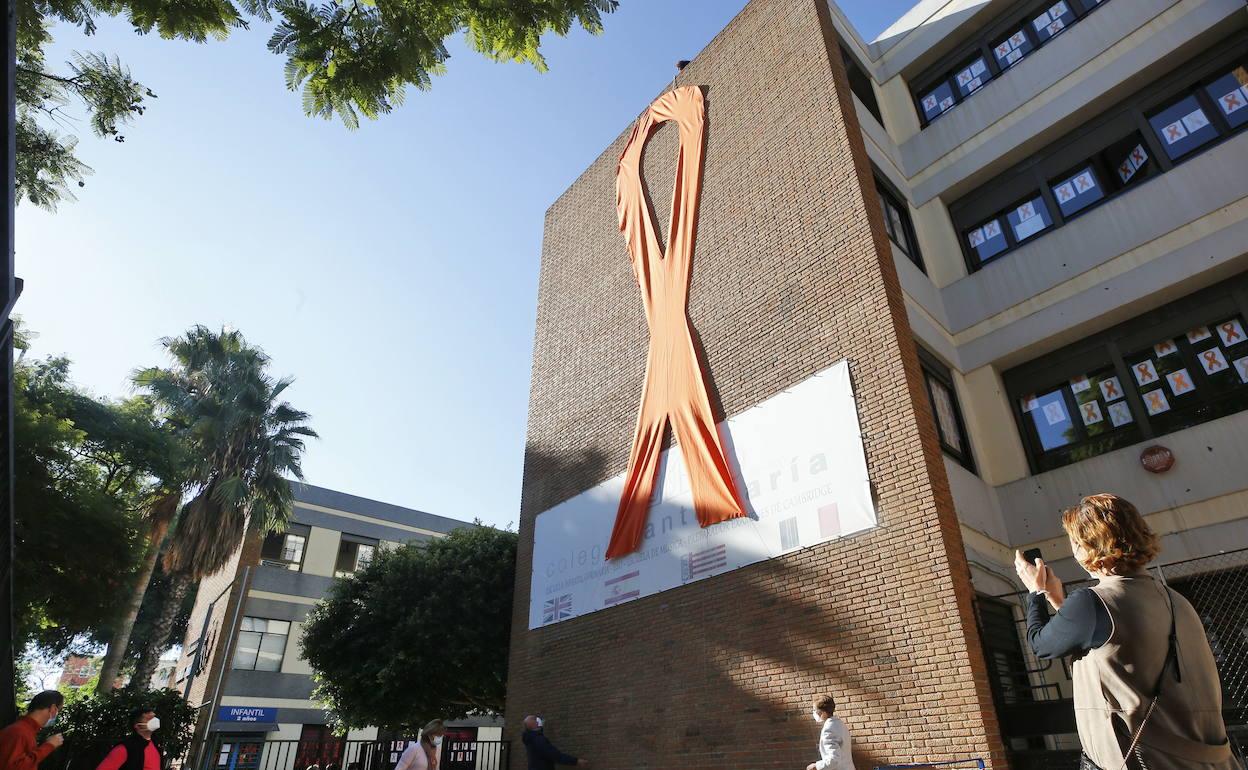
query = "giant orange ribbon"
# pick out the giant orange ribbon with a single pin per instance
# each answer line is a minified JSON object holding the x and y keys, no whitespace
{"x":674,"y":389}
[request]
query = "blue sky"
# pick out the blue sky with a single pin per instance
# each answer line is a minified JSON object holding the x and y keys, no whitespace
{"x":391,"y":270}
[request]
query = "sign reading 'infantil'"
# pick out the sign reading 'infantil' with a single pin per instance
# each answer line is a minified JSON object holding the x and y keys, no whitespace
{"x":801,"y":466}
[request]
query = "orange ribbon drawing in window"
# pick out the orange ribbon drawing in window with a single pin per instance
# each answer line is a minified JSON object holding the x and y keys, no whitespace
{"x":674,"y":389}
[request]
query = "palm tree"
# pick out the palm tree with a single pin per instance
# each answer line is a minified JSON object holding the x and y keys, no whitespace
{"x":243,"y":443}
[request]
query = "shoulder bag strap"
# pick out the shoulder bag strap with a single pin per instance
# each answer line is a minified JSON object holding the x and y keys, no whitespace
{"x":1172,"y":659}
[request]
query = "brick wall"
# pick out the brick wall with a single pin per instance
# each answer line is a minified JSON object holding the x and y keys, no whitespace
{"x":788,"y":278}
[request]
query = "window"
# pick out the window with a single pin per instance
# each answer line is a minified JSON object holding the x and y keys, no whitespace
{"x":945,"y":409}
{"x":1137,"y":139}
{"x":354,"y":553}
{"x":860,"y":84}
{"x":897,"y":221}
{"x":285,"y":549}
{"x":261,"y":644}
{"x":1179,"y":366}
{"x":1005,"y":41}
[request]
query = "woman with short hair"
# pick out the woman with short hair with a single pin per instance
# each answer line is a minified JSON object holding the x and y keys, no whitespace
{"x":1146,"y":685}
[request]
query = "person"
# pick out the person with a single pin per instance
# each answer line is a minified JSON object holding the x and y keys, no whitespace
{"x":423,"y":754}
{"x":834,"y":742}
{"x":1145,"y":683}
{"x":138,"y":751}
{"x":18,"y":747}
{"x":542,"y":753}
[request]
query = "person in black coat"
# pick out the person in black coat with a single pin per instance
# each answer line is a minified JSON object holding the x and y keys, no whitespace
{"x":542,"y":753}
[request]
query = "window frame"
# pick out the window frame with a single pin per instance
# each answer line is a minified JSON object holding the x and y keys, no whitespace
{"x":892,"y":196}
{"x":357,"y":541}
{"x":1111,"y":348}
{"x":934,"y":369}
{"x":259,"y":645}
{"x":300,"y":530}
{"x":1001,"y":28}
{"x":858,"y":77}
{"x":1086,"y":145}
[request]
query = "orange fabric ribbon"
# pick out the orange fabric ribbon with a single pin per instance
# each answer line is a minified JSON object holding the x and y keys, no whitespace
{"x":674,"y":389}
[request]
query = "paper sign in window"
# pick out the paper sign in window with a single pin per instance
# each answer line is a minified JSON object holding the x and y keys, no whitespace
{"x":1030,"y":403}
{"x":1054,"y":412}
{"x":978,"y":68}
{"x":1004,"y":49}
{"x":1233,"y":102}
{"x":1120,"y":414}
{"x":1111,"y":390}
{"x":1198,"y":334}
{"x":1084,"y":182}
{"x":1212,"y":360}
{"x":965,"y":77}
{"x":946,"y":103}
{"x":1058,"y":10}
{"x":1057,"y":26}
{"x":992,"y":229}
{"x":1180,"y":382}
{"x":1231,"y":332}
{"x":1080,"y":384}
{"x":1174,"y":132}
{"x":1195,"y":120}
{"x":1064,"y":192}
{"x":1018,"y":39}
{"x":1042,"y":21}
{"x":1165,"y":348}
{"x":1014,"y":56}
{"x":929,"y":102}
{"x":1028,"y":219}
{"x":1145,"y":372}
{"x":1155,"y":402}
{"x":1241,"y":367}
{"x":976,"y":238}
{"x":1091,"y":413}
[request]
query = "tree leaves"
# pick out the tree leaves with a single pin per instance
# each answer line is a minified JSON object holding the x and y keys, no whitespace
{"x":422,"y":632}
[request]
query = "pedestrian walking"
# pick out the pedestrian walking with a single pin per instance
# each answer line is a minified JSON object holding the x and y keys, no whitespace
{"x":542,"y":753}
{"x":138,"y":751}
{"x":18,"y":748}
{"x":423,"y":754}
{"x":834,"y":742}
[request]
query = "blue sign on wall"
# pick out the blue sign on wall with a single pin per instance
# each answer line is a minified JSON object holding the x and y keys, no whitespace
{"x":246,"y":714}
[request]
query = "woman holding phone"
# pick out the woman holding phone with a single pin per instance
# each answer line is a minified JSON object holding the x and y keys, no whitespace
{"x":1146,"y":686}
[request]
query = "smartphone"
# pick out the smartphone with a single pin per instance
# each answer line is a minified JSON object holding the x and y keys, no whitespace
{"x":1031,"y":555}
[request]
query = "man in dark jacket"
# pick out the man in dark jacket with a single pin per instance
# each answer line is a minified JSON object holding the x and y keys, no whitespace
{"x":542,"y":753}
{"x":137,"y":751}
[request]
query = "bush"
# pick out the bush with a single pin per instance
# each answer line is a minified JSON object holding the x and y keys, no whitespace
{"x":94,"y":724}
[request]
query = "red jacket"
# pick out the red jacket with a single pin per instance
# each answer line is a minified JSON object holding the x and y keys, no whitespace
{"x":17,"y":746}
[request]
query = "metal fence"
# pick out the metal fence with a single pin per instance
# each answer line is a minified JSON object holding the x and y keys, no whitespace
{"x":1033,"y":697}
{"x":224,"y":752}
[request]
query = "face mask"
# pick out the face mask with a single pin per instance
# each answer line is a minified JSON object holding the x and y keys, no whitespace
{"x":540,"y":723}
{"x":51,"y":720}
{"x":815,"y":714}
{"x":437,"y":741}
{"x":153,"y":724}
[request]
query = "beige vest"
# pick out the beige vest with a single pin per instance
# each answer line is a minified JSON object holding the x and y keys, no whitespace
{"x":1115,"y":682}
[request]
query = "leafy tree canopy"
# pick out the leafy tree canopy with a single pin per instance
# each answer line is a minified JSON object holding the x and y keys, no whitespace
{"x":349,"y":58}
{"x":422,"y":632}
{"x":93,"y":724}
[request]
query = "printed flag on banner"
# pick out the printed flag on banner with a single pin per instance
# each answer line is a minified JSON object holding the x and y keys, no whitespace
{"x":622,"y":588}
{"x":1213,"y":361}
{"x":704,"y":562}
{"x":1111,"y":389}
{"x":557,"y":609}
{"x":829,"y":521}
{"x":1119,"y":413}
{"x":1198,"y":334}
{"x":1231,"y":332}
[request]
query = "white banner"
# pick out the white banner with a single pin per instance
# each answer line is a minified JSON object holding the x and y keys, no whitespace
{"x":800,"y":464}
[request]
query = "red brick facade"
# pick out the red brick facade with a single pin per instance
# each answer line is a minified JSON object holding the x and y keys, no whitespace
{"x":792,"y":272}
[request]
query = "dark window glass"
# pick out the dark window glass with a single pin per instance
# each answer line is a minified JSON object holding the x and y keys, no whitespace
{"x":353,"y":556}
{"x":1231,"y":94}
{"x":1183,"y":127}
{"x":937,"y":101}
{"x":1078,"y":190}
{"x":284,"y":549}
{"x":1052,"y":20}
{"x":1011,"y":49}
{"x":945,"y":409}
{"x":261,"y":644}
{"x":987,"y":240}
{"x":972,"y":77}
{"x":1028,"y":219}
{"x":860,"y":84}
{"x":897,"y":223}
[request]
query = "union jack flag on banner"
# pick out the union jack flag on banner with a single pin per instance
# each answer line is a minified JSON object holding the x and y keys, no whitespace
{"x":704,"y":561}
{"x":559,"y":608}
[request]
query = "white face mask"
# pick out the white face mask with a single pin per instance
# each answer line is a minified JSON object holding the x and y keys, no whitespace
{"x":815,"y":713}
{"x":153,"y":724}
{"x":437,"y":741}
{"x":540,"y":723}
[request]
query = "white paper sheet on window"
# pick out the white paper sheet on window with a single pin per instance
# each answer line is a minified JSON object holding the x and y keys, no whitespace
{"x":946,"y":103}
{"x":1054,"y":412}
{"x":1080,"y":384}
{"x":976,"y":237}
{"x":1126,"y":170}
{"x":1180,"y":382}
{"x":1030,"y":403}
{"x":1111,"y":390}
{"x":1233,"y":101}
{"x":1085,"y":182}
{"x":1165,"y":348}
{"x":1241,"y":366}
{"x":1091,"y":413}
{"x":974,"y":84}
{"x":1145,"y":372}
{"x":1155,"y":402}
{"x":1139,"y":156}
{"x":1042,"y":21}
{"x":1057,"y":26}
{"x":1029,"y":226}
{"x":1231,"y":332}
{"x":1198,"y":334}
{"x":1212,"y":360}
{"x":1195,"y":120}
{"x":1064,"y":192}
{"x":1014,"y":56}
{"x":1018,"y":38}
{"x":978,"y":67}
{"x":929,"y":102}
{"x":1058,"y":10}
{"x":1119,"y":414}
{"x":1004,"y":49}
{"x":992,"y":229}
{"x":1174,"y":132}
{"x":964,"y":77}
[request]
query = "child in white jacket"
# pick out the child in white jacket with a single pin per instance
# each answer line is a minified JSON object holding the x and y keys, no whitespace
{"x":834,"y":742}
